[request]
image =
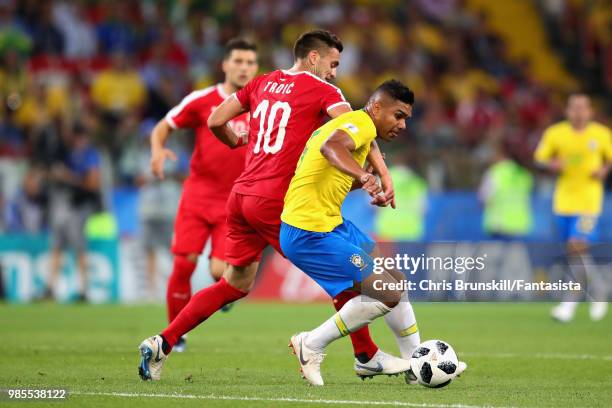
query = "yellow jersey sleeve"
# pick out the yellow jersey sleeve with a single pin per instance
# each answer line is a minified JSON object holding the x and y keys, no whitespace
{"x":360,"y":128}
{"x":547,"y":147}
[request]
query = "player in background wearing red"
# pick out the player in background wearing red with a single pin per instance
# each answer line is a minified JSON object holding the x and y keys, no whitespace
{"x":213,"y":169}
{"x":286,"y":106}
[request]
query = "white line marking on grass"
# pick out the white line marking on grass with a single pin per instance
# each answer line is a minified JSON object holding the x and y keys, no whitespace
{"x":291,"y":400}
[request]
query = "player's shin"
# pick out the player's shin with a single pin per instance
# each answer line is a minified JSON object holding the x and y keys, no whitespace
{"x":201,"y":306}
{"x":178,"y":292}
{"x":402,"y":322}
{"x":355,"y":314}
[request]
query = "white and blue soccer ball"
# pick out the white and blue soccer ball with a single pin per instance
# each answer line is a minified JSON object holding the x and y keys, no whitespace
{"x":434,"y":363}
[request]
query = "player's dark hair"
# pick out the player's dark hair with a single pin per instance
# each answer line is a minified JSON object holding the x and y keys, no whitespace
{"x":397,"y":90}
{"x":315,"y":40}
{"x":578,"y":93}
{"x":238,"y":44}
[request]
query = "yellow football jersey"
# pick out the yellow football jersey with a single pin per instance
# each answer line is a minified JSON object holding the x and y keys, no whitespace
{"x":577,"y":192}
{"x":317,"y":190}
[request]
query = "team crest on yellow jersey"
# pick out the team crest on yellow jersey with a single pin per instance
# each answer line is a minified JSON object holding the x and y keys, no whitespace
{"x":357,"y":260}
{"x":586,"y":224}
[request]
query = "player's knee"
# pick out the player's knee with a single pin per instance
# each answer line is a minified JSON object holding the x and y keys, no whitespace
{"x":183,"y":267}
{"x":193,"y":258}
{"x":392,"y":298}
{"x":240,"y":277}
{"x":217,"y":268}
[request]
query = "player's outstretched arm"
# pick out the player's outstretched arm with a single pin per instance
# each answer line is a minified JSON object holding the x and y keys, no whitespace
{"x":159,"y":153}
{"x":218,"y":122}
{"x":606,"y":150}
{"x":337,"y":150}
{"x":602,"y":172}
{"x":377,"y":161}
{"x":339,"y":110}
{"x":545,"y":154}
{"x":553,"y":165}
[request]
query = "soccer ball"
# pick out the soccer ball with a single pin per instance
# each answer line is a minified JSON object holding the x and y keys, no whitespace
{"x":434,"y":363}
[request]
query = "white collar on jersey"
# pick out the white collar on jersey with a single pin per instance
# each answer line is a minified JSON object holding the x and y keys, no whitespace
{"x":294,"y":73}
{"x":221,"y":91}
{"x":299,"y":72}
{"x":303,"y":72}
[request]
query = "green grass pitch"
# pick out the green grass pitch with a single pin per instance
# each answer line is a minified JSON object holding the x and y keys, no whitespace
{"x":517,"y":357}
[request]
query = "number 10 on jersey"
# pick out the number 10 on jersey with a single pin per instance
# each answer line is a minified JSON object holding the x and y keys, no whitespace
{"x":266,"y":125}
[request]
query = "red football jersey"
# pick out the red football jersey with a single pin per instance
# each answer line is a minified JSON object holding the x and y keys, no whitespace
{"x":285,"y":109}
{"x":214,"y":166}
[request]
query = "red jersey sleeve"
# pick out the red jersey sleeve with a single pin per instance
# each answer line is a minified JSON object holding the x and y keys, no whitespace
{"x":244,"y":95}
{"x":186,"y":114}
{"x":332,"y":97}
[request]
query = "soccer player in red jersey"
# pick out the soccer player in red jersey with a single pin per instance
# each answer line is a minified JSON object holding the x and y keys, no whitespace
{"x":286,"y":106}
{"x":213,"y":169}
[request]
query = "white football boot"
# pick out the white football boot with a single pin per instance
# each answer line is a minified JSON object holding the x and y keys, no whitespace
{"x":410,"y":378}
{"x":598,"y":310}
{"x":461,"y":367}
{"x":564,"y":312}
{"x":152,"y":358}
{"x":381,"y":364}
{"x":310,"y":360}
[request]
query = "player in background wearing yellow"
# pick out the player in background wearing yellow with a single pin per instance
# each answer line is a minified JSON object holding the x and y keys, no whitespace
{"x":580,"y":152}
{"x":332,"y":250}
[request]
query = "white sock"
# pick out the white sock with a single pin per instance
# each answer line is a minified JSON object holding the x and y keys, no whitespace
{"x":356,"y":313}
{"x":570,"y":306}
{"x":597,"y":286}
{"x":402,"y":321}
{"x":582,"y":269}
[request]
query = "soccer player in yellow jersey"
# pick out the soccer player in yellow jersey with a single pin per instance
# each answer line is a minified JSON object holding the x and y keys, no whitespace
{"x":580,"y":152}
{"x":330,"y":249}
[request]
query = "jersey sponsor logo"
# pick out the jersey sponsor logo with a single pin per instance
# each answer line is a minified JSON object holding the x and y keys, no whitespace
{"x":593,"y":144}
{"x":351,"y":127}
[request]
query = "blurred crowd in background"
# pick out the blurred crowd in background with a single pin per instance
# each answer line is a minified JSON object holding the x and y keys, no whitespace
{"x":83,"y":82}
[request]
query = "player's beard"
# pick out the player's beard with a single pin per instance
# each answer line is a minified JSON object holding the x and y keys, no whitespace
{"x":236,"y":85}
{"x":317,"y":72}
